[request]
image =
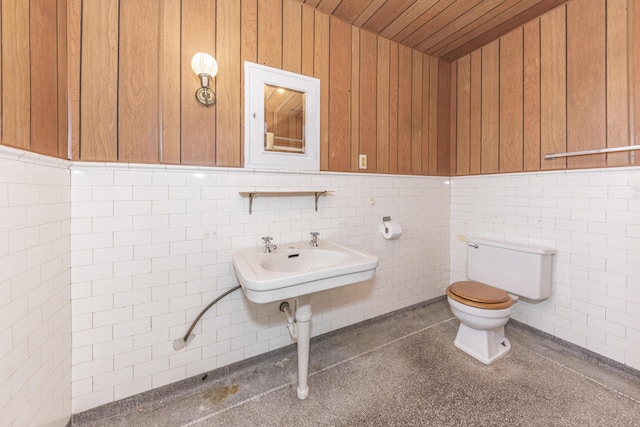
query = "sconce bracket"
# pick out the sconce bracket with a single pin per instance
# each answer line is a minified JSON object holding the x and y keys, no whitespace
{"x":206,"y":96}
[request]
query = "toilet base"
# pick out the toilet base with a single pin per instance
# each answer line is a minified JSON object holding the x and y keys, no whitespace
{"x":485,"y":346}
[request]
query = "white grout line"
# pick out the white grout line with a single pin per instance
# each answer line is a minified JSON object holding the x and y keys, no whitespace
{"x":593,"y":380}
{"x":258,"y":396}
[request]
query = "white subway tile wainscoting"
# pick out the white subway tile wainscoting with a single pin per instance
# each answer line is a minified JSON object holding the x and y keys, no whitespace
{"x":35,"y":305}
{"x":152,"y":247}
{"x":103,"y":266}
{"x":592,"y":218}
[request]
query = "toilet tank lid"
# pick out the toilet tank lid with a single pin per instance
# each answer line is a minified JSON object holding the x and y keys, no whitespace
{"x":512,"y":246}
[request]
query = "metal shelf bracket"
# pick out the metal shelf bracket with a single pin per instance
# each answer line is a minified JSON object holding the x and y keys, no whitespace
{"x":285,"y":193}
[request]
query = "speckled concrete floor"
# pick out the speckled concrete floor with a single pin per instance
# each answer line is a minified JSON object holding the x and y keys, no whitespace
{"x":399,"y":370}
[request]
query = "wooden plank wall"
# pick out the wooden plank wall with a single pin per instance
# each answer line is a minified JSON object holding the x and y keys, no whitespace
{"x":33,"y":72}
{"x":127,"y":84}
{"x":131,"y":90}
{"x":634,"y":68}
{"x":118,"y":88}
{"x":562,"y":82}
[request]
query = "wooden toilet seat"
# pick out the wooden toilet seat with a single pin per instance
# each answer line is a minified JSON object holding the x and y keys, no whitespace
{"x":476,"y":294}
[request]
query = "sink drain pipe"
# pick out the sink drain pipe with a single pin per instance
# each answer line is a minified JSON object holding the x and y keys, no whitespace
{"x":181,"y":343}
{"x":299,"y":325}
{"x":291,"y":321}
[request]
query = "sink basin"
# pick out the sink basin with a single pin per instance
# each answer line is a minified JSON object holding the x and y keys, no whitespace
{"x":301,"y":260}
{"x":296,"y":269}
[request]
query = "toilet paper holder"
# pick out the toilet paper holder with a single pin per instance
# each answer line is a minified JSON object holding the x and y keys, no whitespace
{"x":386,"y":219}
{"x":391,"y":229}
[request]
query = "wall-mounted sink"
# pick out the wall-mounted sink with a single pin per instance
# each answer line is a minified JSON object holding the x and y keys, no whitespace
{"x":303,"y":260}
{"x":297,"y":269}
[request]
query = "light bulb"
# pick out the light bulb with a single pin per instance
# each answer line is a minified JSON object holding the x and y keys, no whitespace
{"x":203,"y":63}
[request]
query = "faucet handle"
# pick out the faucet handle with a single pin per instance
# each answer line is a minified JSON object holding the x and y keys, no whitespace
{"x":268,"y":246}
{"x":314,"y":239}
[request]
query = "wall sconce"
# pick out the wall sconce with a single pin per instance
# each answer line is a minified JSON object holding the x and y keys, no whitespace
{"x":206,"y":68}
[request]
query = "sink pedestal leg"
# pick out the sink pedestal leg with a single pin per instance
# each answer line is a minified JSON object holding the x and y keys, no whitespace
{"x":303,"y":319}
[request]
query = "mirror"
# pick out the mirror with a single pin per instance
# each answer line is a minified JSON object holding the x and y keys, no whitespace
{"x":282,"y":119}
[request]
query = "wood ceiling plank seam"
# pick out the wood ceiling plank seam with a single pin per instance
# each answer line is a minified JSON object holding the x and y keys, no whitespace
{"x":349,"y":10}
{"x":511,"y":9}
{"x":469,"y":19}
{"x":408,"y":17}
{"x":452,"y":41}
{"x":447,"y":29}
{"x":312,"y":3}
{"x":476,"y":41}
{"x":456,"y":9}
{"x":386,"y":14}
{"x":423,"y":19}
{"x":371,"y":9}
{"x":329,"y":6}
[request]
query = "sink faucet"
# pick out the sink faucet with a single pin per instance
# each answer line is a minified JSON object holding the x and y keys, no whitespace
{"x":314,"y":239}
{"x":268,"y":246}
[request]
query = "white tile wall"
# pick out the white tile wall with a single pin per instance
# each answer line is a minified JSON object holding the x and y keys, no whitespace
{"x":592,"y":217}
{"x":151,"y":246}
{"x":35,"y":314}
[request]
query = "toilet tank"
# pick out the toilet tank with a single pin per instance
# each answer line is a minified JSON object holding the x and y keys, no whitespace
{"x":519,"y":270}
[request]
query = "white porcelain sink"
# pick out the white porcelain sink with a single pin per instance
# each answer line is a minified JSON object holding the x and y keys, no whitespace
{"x":300,"y":260}
{"x":297,"y":269}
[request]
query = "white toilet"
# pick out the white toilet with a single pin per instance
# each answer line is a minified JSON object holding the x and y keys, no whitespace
{"x":499,"y":273}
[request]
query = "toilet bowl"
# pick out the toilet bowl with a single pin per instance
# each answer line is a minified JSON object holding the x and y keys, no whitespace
{"x":483,"y":311}
{"x":499,"y":273}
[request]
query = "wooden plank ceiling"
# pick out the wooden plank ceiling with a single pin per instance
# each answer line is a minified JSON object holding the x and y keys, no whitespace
{"x":446,"y":29}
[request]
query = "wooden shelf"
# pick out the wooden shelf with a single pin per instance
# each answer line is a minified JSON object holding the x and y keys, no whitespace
{"x":284,"y":193}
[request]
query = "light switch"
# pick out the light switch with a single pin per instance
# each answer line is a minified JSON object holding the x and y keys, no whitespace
{"x":362,"y":161}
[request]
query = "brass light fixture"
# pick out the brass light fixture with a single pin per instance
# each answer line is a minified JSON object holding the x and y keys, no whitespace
{"x":206,"y":68}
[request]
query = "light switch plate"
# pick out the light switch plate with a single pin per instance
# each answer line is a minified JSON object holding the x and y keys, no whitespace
{"x":362,"y":161}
